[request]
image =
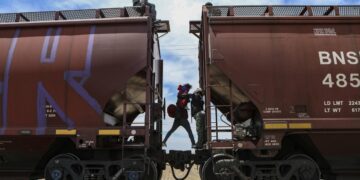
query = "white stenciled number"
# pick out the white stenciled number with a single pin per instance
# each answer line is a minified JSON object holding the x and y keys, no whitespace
{"x":328,"y":81}
{"x":354,"y":80}
{"x":341,"y":80}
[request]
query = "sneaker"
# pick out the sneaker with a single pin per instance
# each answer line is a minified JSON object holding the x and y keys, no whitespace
{"x":164,"y":144}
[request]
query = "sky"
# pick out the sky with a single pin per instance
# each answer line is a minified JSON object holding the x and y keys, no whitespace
{"x":178,"y":48}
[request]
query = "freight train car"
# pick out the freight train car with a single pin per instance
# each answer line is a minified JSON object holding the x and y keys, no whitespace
{"x":282,"y":91}
{"x":81,"y":94}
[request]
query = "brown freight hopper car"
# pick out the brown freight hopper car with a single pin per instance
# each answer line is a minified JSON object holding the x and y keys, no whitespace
{"x":286,"y":81}
{"x":80,"y":94}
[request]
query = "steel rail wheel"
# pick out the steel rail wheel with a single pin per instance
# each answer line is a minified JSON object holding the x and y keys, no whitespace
{"x":303,"y":167}
{"x":200,"y":170}
{"x":207,"y":170}
{"x":61,"y":167}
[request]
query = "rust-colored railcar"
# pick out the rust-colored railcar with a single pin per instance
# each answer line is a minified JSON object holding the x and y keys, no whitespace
{"x":81,"y":94}
{"x":286,"y":81}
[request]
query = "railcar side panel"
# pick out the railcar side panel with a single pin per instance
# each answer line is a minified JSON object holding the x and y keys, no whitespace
{"x":290,"y":70}
{"x":63,"y":76}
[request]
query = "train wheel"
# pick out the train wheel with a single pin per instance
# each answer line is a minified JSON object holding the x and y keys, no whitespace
{"x":207,"y":172}
{"x":151,"y":173}
{"x":305,"y":168}
{"x":58,"y":169}
{"x":159,"y":171}
{"x":200,"y":170}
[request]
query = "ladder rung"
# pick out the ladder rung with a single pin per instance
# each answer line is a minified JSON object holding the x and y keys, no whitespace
{"x":134,"y":145}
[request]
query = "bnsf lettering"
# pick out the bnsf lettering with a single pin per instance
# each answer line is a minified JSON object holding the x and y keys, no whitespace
{"x":340,"y":80}
{"x":341,"y":58}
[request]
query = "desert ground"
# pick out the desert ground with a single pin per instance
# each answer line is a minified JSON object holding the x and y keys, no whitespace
{"x":194,"y":174}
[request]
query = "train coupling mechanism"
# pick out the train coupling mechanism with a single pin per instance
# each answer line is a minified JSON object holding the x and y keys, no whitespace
{"x":184,"y":161}
{"x":181,"y":160}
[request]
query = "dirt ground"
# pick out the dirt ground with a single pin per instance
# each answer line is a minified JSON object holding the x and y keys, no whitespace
{"x":194,"y":174}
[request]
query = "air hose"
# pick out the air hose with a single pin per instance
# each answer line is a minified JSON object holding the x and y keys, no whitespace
{"x":186,"y":175}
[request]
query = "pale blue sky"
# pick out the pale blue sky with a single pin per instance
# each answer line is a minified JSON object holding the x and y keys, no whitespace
{"x":179,"y":48}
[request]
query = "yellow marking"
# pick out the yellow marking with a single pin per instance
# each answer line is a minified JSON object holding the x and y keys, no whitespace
{"x":109,"y":132}
{"x":300,"y":126}
{"x":65,"y":132}
{"x":276,"y":126}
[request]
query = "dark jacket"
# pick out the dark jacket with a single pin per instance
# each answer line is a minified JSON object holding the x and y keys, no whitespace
{"x":181,"y":103}
{"x":197,"y":104}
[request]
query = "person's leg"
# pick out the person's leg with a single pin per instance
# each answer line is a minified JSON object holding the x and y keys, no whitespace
{"x":175,"y":125}
{"x":199,"y":129}
{"x":186,"y":125}
{"x":204,"y":128}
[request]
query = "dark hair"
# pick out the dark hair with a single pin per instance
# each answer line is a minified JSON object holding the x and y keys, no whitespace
{"x":188,"y":86}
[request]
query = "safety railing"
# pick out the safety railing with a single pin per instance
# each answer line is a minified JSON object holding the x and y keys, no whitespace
{"x":224,"y":11}
{"x":221,"y":128}
{"x":135,"y":11}
{"x":136,"y":126}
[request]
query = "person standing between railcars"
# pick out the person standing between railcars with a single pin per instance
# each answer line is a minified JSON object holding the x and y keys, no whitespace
{"x":181,"y":114}
{"x":197,"y":112}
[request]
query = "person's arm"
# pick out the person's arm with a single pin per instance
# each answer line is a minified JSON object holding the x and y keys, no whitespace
{"x":191,"y":96}
{"x":184,"y":96}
